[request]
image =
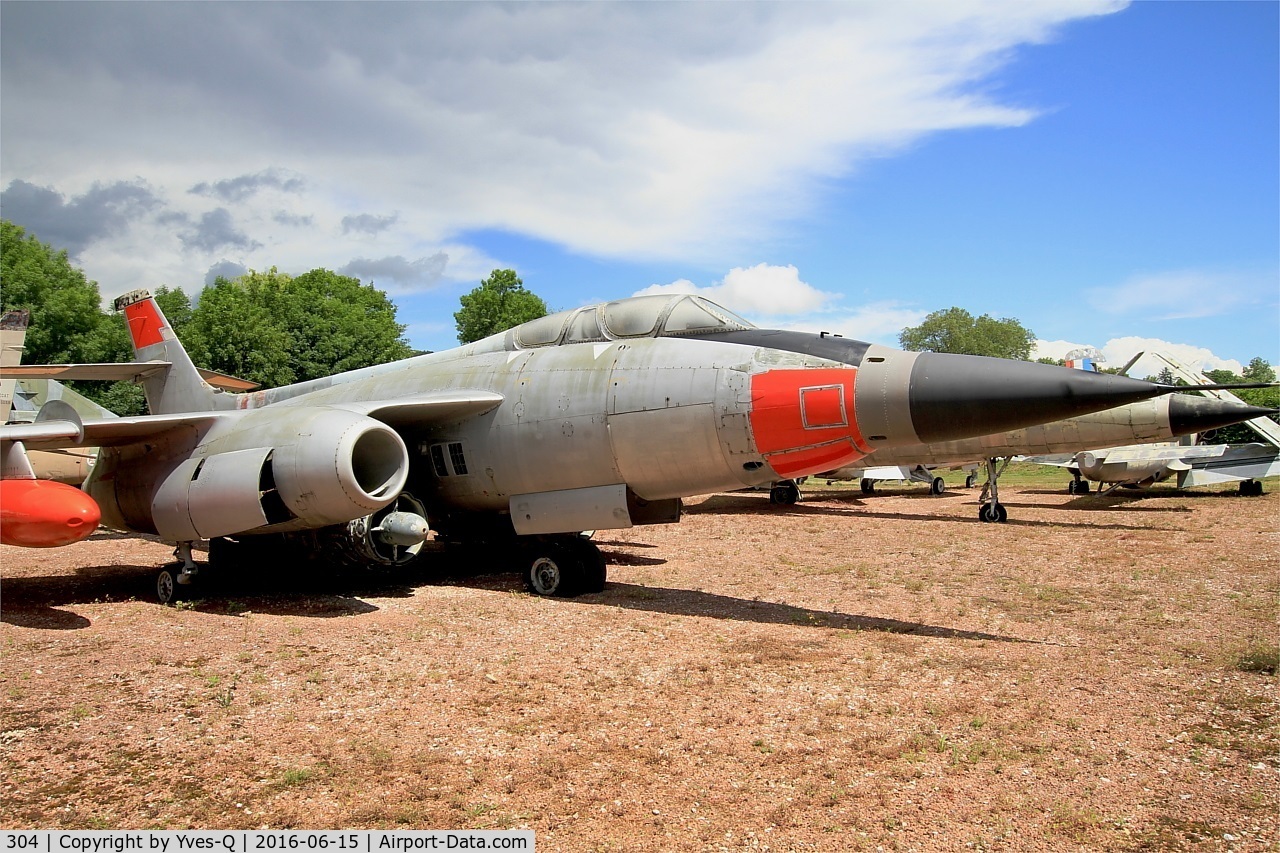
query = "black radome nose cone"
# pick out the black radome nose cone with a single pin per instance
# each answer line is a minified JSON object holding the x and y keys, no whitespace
{"x":1189,"y":414}
{"x":957,"y":396}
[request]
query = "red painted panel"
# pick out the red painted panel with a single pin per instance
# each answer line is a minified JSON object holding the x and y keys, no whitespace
{"x":823,"y":407}
{"x":812,"y":460}
{"x":45,"y":514}
{"x":804,"y":420}
{"x":144,"y":323}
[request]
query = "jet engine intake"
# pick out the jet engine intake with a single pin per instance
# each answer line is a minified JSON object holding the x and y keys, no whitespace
{"x":291,"y":470}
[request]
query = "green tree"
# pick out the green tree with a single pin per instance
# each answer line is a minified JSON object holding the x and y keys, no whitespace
{"x":957,"y":331}
{"x":1259,"y":371}
{"x":66,"y":309}
{"x":499,"y":303}
{"x":275,"y":329}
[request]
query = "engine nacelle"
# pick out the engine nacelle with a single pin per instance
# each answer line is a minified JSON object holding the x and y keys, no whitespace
{"x":287,"y":469}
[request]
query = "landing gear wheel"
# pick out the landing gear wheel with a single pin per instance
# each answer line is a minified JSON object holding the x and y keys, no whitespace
{"x":868,"y":486}
{"x":1250,"y":488}
{"x":993,"y":512}
{"x":594,"y":569}
{"x":1082,"y":487}
{"x":166,"y":586}
{"x":1071,"y":487}
{"x":938,"y":486}
{"x":784,"y":494}
{"x":970,"y":481}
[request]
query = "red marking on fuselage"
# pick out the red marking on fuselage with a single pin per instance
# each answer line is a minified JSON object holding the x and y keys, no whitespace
{"x":45,"y":514}
{"x":804,"y":420}
{"x":145,"y":323}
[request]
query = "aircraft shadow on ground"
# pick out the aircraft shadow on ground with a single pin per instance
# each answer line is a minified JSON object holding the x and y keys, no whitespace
{"x":40,"y":602}
{"x":734,"y":505}
{"x":685,"y":602}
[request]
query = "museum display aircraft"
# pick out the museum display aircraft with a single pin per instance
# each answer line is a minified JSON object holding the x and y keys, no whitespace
{"x":1193,"y":464}
{"x":1148,"y":421}
{"x":595,"y":418}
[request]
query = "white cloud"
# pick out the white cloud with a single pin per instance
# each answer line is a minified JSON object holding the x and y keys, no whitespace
{"x":764,"y":290}
{"x":775,"y":297}
{"x":1118,"y":351}
{"x":678,"y":131}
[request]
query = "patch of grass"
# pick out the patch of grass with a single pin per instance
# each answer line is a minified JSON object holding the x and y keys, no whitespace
{"x":296,"y":776}
{"x":1075,"y":822}
{"x":1259,"y":657}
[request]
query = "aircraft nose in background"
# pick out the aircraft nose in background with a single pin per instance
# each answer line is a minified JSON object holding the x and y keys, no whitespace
{"x":1189,"y":414}
{"x":956,"y":396}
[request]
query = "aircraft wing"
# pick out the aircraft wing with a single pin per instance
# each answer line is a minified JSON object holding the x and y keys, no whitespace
{"x":1058,"y":460}
{"x":1239,"y":462}
{"x":113,"y":432}
{"x":439,"y":407}
{"x":109,"y":432}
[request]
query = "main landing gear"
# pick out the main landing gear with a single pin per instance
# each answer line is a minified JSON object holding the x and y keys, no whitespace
{"x":564,"y":567}
{"x":1078,"y":486}
{"x":784,"y":493}
{"x":1250,"y":488}
{"x":990,"y":508}
{"x":175,"y":579}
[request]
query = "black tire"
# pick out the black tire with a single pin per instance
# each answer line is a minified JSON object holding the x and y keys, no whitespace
{"x":938,"y":486}
{"x":970,"y":481}
{"x":993,"y":512}
{"x":784,"y":494}
{"x":1071,"y":487}
{"x":554,"y":570}
{"x":1082,"y":487}
{"x":594,"y":569}
{"x":167,"y":586}
{"x":868,"y":486}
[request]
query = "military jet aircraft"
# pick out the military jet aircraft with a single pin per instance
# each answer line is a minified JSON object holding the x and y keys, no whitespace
{"x":596,"y":418}
{"x":1193,"y":464}
{"x":1147,"y":421}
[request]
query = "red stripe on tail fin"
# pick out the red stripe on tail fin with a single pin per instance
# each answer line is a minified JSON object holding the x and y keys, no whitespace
{"x":145,"y":323}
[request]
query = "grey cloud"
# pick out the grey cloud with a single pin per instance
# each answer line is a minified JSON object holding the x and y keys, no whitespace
{"x":224,"y":269}
{"x":238,"y":189}
{"x":104,"y":211}
{"x":367,"y":223}
{"x":286,"y":218}
{"x":422,"y":274}
{"x":215,"y":231}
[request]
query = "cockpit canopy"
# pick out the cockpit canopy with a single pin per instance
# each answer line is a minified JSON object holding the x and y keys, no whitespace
{"x":678,"y":315}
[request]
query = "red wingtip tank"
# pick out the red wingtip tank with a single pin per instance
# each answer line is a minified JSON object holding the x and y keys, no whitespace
{"x":45,"y":514}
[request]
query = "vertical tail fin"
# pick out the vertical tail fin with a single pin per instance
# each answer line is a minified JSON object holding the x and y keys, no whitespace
{"x":180,"y":388}
{"x":13,"y":331}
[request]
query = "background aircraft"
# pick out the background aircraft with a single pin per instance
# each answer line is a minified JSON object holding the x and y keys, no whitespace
{"x":1194,"y":464}
{"x":596,"y":418}
{"x":35,"y":511}
{"x":1161,"y":419}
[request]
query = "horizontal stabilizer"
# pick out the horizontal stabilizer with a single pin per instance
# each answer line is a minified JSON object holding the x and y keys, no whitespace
{"x":128,"y":371}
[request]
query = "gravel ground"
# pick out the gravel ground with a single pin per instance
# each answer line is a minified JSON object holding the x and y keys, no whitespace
{"x":850,"y":673}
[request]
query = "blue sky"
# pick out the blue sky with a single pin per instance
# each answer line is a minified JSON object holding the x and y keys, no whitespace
{"x":1109,"y":175}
